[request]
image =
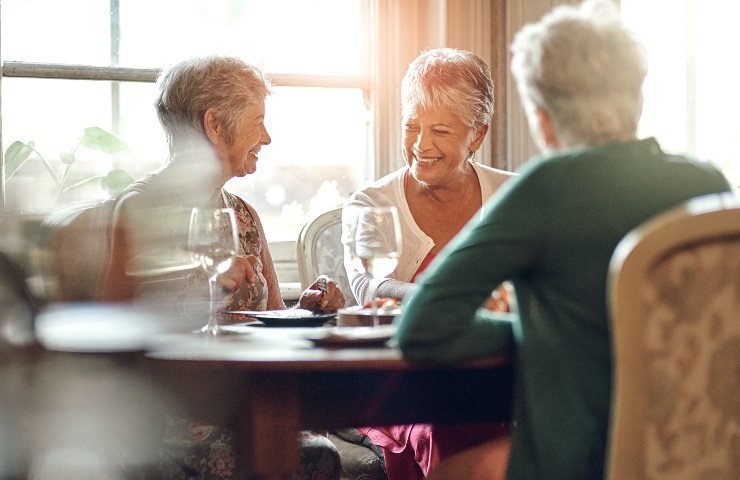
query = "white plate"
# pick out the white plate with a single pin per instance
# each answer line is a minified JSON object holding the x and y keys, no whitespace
{"x":352,"y":336}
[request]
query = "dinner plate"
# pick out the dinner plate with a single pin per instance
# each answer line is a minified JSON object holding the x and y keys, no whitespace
{"x":290,"y":317}
{"x":352,"y":336}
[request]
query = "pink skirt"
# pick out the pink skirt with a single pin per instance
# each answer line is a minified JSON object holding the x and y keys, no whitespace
{"x":412,"y":450}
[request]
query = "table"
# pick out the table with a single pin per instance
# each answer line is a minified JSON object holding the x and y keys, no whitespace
{"x":269,"y":384}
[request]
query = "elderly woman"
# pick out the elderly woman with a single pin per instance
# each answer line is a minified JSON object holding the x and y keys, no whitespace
{"x":551,"y":231}
{"x":212,"y":110}
{"x":447,"y":108}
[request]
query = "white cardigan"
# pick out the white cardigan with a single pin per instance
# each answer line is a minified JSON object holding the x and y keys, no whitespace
{"x":415,"y":244}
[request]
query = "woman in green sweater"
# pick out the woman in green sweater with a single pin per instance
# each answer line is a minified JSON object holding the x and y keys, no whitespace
{"x":551,"y":232}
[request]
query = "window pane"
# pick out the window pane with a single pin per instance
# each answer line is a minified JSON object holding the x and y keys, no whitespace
{"x":319,"y":37}
{"x":287,"y":36}
{"x":318,"y":156}
{"x":690,"y":96}
{"x":53,"y":114}
{"x":718,"y":96}
{"x":52,"y":31}
{"x":319,"y":152}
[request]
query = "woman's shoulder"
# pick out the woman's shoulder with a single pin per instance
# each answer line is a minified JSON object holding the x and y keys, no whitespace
{"x":238,"y":203}
{"x":491,"y":172}
{"x":380,"y":191}
{"x":490,"y":178}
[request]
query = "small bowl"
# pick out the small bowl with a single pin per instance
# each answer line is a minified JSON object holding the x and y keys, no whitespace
{"x":358,"y":316}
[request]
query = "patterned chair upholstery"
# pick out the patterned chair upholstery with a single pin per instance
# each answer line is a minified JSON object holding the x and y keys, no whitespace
{"x":674,"y":291}
{"x":320,"y":252}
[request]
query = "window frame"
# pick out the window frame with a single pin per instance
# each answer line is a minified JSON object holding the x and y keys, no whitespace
{"x":116,"y":74}
{"x":399,"y":30}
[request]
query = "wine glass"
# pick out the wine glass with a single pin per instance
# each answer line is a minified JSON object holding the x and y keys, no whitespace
{"x":374,"y":243}
{"x":213,"y":245}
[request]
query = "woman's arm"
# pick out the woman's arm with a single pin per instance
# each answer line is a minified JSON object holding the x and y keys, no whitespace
{"x":363,"y":286}
{"x":442,"y":320}
{"x":274,"y":297}
{"x":392,"y":288}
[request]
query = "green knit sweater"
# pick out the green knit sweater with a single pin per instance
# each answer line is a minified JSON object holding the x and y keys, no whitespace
{"x":551,"y":232}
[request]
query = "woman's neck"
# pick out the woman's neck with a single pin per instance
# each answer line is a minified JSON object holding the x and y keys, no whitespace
{"x":454,"y":191}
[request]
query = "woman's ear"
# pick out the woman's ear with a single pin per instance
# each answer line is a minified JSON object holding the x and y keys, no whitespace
{"x":547,"y":129}
{"x":212,"y":126}
{"x":477,"y":141}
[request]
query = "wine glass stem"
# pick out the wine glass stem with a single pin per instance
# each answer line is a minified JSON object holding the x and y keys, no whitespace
{"x":374,"y":308}
{"x":212,"y":305}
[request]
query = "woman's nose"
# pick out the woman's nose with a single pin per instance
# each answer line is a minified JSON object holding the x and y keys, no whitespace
{"x":423,"y":141}
{"x":265,"y":138}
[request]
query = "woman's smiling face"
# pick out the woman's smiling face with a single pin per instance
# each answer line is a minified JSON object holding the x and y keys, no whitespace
{"x":240,"y":156}
{"x":436,"y":144}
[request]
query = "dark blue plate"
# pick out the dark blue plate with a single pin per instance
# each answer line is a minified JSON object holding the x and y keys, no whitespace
{"x":290,"y":317}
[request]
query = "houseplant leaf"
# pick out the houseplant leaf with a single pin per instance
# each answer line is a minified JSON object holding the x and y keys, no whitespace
{"x":18,"y":154}
{"x":67,"y":158}
{"x":15,"y":156}
{"x":98,"y":139}
{"x":115,"y":181}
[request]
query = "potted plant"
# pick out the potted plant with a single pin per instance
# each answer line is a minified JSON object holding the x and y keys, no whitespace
{"x":95,"y":138}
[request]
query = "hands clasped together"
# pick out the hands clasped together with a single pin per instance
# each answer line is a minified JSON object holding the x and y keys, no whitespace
{"x":323,"y":295}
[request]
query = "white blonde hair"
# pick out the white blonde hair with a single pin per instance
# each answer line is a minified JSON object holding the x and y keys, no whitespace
{"x":585,"y":69}
{"x":186,"y":90}
{"x":458,"y":80}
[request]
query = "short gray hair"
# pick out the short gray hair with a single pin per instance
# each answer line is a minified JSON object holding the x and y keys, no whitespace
{"x":585,"y":69}
{"x":186,"y":90}
{"x":456,"y":79}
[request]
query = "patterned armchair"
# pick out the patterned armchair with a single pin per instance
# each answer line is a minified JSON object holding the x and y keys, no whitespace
{"x":674,"y":291}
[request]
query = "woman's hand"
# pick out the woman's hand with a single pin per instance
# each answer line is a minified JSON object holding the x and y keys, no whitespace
{"x":500,"y":299}
{"x":241,"y":269}
{"x":322,"y":295}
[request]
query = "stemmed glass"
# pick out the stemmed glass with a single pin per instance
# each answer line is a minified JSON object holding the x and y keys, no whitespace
{"x":213,"y":245}
{"x":374,"y":243}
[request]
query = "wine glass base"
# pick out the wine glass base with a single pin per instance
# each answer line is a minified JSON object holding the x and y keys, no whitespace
{"x":214,"y":332}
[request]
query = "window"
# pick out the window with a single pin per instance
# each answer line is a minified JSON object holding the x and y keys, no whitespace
{"x":92,"y":63}
{"x":691,"y":96}
{"x":336,"y":66}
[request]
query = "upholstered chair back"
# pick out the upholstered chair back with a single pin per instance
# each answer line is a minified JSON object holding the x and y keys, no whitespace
{"x":320,"y":252}
{"x":674,"y":292}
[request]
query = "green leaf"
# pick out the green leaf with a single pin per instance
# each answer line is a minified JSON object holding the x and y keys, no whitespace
{"x":98,"y":139}
{"x":15,"y":156}
{"x":67,"y":158}
{"x":115,"y":181}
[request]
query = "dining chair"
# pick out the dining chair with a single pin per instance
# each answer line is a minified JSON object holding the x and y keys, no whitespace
{"x":77,"y":245}
{"x":674,"y":300}
{"x":319,"y":251}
